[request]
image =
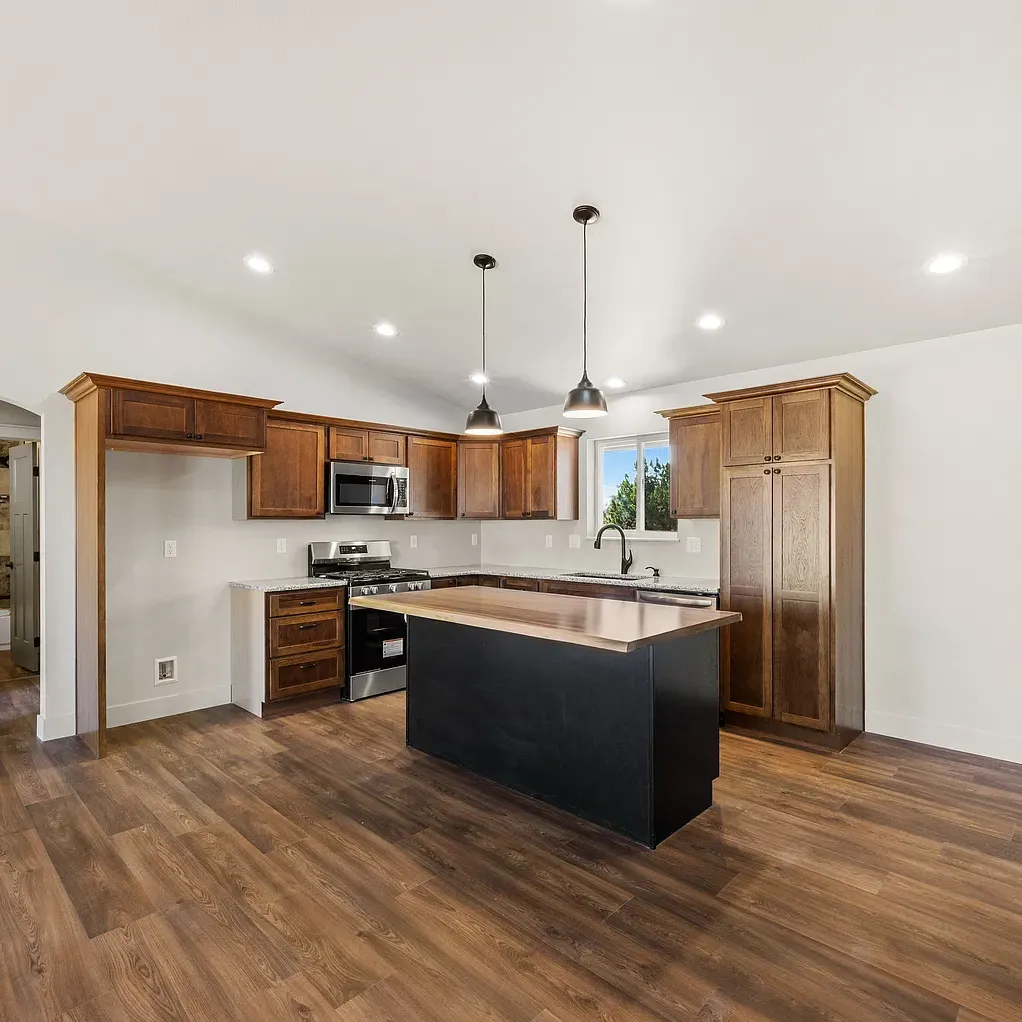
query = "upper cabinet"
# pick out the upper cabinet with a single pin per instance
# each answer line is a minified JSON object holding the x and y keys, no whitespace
{"x":432,"y":477}
{"x":695,"y":461}
{"x":539,"y":474}
{"x":289,"y":479}
{"x":478,"y":479}
{"x":353,"y":443}
{"x":176,"y":420}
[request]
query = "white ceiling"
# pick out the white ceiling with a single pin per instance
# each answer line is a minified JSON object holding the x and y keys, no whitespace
{"x":790,"y":164}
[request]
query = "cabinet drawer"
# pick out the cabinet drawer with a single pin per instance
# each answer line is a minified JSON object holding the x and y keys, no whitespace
{"x":305,"y":601}
{"x":304,"y":633}
{"x":443,"y":583}
{"x":490,"y":581}
{"x":529,"y":584}
{"x":586,"y":589}
{"x":310,"y":672}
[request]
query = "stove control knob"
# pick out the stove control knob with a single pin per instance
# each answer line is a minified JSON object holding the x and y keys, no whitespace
{"x":414,"y":585}
{"x":393,"y":587}
{"x":373,"y":590}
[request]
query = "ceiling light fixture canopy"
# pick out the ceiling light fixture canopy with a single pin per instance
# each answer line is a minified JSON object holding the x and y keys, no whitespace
{"x":586,"y":401}
{"x":483,"y":420}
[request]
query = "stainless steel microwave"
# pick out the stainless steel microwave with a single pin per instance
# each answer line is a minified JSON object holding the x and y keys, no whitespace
{"x":362,"y":488}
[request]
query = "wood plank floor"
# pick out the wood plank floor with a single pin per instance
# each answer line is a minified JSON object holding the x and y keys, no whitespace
{"x":220,"y":867}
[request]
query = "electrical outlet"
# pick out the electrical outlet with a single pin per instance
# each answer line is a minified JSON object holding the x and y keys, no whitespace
{"x":693,"y":545}
{"x":165,"y":670}
{"x":281,"y":546}
{"x":475,"y":539}
{"x":574,"y":541}
{"x":549,"y":541}
{"x":413,"y":541}
{"x":170,"y":548}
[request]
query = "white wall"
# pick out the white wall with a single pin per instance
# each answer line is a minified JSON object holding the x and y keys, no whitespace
{"x":943,"y":549}
{"x":73,"y":309}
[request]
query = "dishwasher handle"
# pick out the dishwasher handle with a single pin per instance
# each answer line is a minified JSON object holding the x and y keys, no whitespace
{"x":700,"y":602}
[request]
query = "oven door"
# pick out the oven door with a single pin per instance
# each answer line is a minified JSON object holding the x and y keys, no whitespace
{"x":377,"y":639}
{"x":358,"y":488}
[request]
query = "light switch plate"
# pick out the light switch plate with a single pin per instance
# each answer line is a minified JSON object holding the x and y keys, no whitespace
{"x":549,"y":541}
{"x":170,"y":548}
{"x":413,"y":541}
{"x":281,"y":546}
{"x":475,"y":539}
{"x":693,"y":545}
{"x":574,"y":541}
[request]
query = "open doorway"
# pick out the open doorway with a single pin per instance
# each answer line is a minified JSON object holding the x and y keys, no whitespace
{"x":19,"y":566}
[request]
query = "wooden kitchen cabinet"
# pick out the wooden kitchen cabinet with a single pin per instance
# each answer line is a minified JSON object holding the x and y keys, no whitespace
{"x":432,"y":477}
{"x":350,"y":443}
{"x":478,"y":479}
{"x":288,"y":480}
{"x":695,"y":461}
{"x":590,"y":589}
{"x":180,"y":418}
{"x":539,"y":474}
{"x":792,"y":562}
{"x":747,"y":431}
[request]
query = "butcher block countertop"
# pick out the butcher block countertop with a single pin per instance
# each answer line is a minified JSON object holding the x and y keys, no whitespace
{"x":613,"y":625}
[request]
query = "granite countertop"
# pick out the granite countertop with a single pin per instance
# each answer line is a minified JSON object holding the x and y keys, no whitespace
{"x":619,"y":626}
{"x":282,"y":585}
{"x":666,"y":583}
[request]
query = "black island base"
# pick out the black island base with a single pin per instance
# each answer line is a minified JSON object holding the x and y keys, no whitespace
{"x":629,"y":741}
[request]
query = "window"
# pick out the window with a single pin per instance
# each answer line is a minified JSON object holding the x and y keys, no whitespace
{"x":633,"y":485}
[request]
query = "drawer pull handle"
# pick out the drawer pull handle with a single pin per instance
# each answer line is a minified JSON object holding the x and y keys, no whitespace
{"x":302,"y":628}
{"x":306,"y":603}
{"x":305,"y":667}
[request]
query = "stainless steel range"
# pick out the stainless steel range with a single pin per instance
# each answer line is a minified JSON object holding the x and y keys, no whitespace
{"x":377,"y":640}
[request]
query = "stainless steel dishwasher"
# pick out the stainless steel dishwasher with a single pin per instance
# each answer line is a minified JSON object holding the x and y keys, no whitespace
{"x":700,"y":602}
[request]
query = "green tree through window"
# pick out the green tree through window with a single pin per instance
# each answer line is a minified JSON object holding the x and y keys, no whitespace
{"x":622,"y":506}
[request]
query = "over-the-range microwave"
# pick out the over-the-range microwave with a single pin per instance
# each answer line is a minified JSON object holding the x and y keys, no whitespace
{"x":363,"y":488}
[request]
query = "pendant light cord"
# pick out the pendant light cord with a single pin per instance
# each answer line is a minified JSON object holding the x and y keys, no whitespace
{"x":484,"y":332}
{"x":585,"y":301}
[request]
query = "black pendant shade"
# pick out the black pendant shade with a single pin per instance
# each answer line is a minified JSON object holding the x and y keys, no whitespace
{"x":585,"y":401}
{"x":483,"y":420}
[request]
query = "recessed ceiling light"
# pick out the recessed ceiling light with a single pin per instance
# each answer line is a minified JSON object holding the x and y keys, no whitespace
{"x":480,"y":378}
{"x":258,"y":263}
{"x":710,"y":321}
{"x":615,"y":383}
{"x":386,"y":329}
{"x":946,"y":262}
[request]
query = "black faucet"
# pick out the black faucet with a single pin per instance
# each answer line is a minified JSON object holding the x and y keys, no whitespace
{"x":626,"y":557}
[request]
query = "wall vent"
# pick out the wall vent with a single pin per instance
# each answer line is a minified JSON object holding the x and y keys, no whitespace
{"x":166,"y":670}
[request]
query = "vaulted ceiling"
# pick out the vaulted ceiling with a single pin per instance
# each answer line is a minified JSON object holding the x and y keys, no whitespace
{"x":790,"y":164}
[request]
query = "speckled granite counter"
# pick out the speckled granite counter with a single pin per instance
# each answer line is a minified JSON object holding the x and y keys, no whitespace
{"x":666,"y":583}
{"x":282,"y":585}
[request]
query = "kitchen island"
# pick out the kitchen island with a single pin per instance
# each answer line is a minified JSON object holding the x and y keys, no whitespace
{"x":606,"y":709}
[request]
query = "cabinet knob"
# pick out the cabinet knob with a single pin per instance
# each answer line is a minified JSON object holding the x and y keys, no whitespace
{"x":200,"y":436}
{"x":767,"y":458}
{"x":777,"y":457}
{"x":766,"y":471}
{"x":777,"y":471}
{"x":674,"y":511}
{"x":188,"y":436}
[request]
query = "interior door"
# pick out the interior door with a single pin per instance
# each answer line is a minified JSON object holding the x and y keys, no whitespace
{"x":745,"y":586}
{"x":24,"y":462}
{"x":801,"y":596}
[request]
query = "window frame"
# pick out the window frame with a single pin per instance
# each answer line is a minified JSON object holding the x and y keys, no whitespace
{"x":640,"y":442}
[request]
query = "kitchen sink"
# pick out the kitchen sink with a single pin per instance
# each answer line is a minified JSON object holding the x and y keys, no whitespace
{"x":600,"y":574}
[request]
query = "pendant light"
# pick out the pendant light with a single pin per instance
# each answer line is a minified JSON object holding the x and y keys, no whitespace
{"x":585,"y":401}
{"x":484,"y":421}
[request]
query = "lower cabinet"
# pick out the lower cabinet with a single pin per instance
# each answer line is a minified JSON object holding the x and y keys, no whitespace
{"x":488,"y":581}
{"x":529,"y":585}
{"x":587,"y":589}
{"x":287,"y":649}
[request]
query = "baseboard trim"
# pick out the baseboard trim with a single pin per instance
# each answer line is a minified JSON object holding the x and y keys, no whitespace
{"x":166,"y":706}
{"x":48,"y":729}
{"x":946,"y":736}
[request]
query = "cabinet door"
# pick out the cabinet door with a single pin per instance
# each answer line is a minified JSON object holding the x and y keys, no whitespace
{"x":288,"y":479}
{"x":528,"y":585}
{"x":541,"y":477}
{"x":386,"y":448}
{"x":695,"y":466}
{"x":349,"y":444}
{"x":745,"y":586}
{"x":745,"y":429}
{"x":152,"y":416}
{"x":307,"y":672}
{"x":478,"y":479}
{"x":801,"y":595}
{"x":229,"y":424}
{"x":443,"y":583}
{"x":512,"y":476}
{"x":802,"y":426}
{"x":588,"y":589}
{"x":432,"y":477}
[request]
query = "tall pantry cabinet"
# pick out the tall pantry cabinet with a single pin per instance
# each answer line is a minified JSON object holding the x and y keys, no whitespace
{"x":792,"y":497}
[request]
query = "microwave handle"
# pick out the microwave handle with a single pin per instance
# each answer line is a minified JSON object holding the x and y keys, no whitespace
{"x":392,"y":492}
